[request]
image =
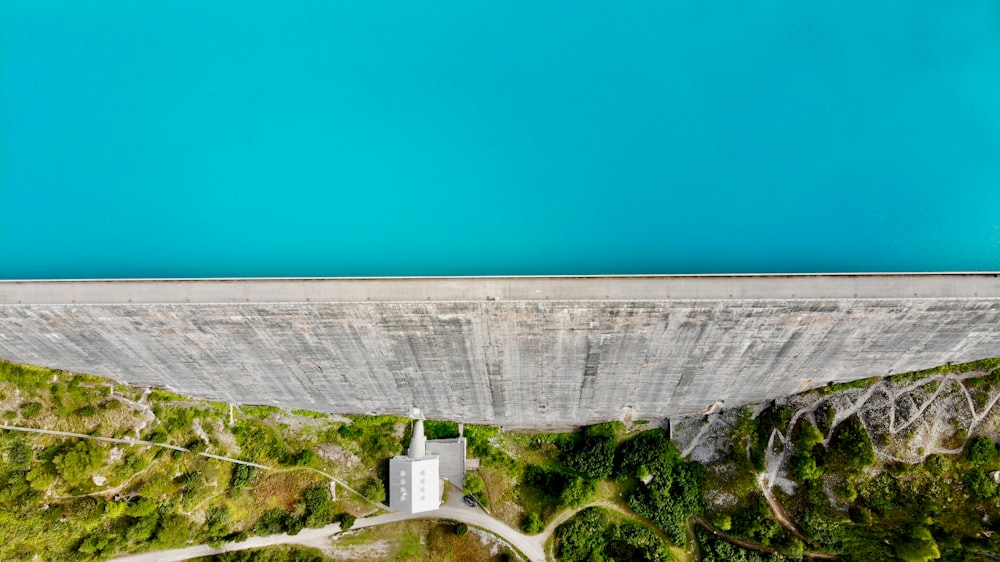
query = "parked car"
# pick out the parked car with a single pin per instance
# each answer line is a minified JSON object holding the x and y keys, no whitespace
{"x":469,"y":501}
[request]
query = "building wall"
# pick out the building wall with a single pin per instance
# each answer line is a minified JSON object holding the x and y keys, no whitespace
{"x":519,"y":352}
{"x":414,"y":484}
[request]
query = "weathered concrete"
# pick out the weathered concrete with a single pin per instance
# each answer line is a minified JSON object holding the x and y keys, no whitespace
{"x":528,"y":352}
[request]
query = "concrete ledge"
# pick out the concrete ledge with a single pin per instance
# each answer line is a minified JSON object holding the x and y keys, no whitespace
{"x":472,"y":289}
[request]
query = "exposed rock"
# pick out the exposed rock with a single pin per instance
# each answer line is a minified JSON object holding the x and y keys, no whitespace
{"x":337,"y":454}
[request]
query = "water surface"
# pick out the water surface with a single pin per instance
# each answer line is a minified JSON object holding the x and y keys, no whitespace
{"x":179,"y":139}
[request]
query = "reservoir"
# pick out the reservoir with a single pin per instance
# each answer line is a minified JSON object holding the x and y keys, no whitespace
{"x":323,"y":138}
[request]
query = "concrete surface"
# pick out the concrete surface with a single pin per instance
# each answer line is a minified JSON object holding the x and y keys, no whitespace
{"x":522,"y":352}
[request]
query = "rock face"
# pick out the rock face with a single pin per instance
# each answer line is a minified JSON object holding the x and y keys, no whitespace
{"x":519,"y":352}
{"x":907,"y":419}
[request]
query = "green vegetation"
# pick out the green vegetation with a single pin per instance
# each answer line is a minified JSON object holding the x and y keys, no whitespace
{"x":594,"y":534}
{"x":714,"y":549}
{"x":673,"y":490}
{"x":103,"y":499}
{"x":593,"y":455}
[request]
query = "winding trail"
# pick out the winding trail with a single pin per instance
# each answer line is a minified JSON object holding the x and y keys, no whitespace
{"x":744,"y":543}
{"x":129,"y":442}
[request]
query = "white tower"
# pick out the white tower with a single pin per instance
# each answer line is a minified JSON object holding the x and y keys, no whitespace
{"x":414,"y":484}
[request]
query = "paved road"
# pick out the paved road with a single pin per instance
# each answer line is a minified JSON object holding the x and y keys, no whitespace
{"x":531,"y":546}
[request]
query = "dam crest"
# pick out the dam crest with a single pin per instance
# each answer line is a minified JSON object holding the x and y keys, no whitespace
{"x":520,"y":352}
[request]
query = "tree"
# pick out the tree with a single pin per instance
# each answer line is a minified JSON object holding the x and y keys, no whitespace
{"x":174,"y":530}
{"x":584,"y":536}
{"x":461,"y":529}
{"x":809,"y":436}
{"x":851,"y":445}
{"x":804,"y":467}
{"x":318,"y":505}
{"x":82,"y":459}
{"x":648,"y":449}
{"x":918,"y":547}
{"x":593,"y":455}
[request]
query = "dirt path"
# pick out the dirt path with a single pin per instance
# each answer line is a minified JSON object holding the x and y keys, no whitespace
{"x":129,"y":442}
{"x":778,"y":510}
{"x":744,"y":543}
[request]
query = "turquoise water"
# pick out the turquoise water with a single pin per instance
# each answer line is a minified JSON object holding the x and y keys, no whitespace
{"x":325,"y":138}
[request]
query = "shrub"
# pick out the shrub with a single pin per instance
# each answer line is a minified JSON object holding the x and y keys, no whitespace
{"x":630,"y":541}
{"x":548,"y":483}
{"x":440,"y":429}
{"x":980,"y":484}
{"x":938,"y":464}
{"x":259,"y":442}
{"x":474,"y":484}
{"x":272,"y":521}
{"x":174,"y":530}
{"x":375,"y":490}
{"x":918,"y":546}
{"x":40,"y":478}
{"x":981,"y":450}
{"x":461,"y":529}
{"x":754,"y":521}
{"x":306,"y":457}
{"x":87,"y":411}
{"x":242,"y":475}
{"x":577,"y":492}
{"x":217,"y":521}
{"x":142,"y":507}
{"x":672,"y":495}
{"x":533,"y":524}
{"x":19,"y":454}
{"x":722,"y":521}
{"x":346,"y":520}
{"x":31,"y":409}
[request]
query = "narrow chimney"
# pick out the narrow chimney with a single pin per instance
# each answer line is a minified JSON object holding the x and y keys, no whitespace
{"x":418,"y":443}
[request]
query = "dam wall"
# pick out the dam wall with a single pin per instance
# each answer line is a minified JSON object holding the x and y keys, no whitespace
{"x":521,"y":352}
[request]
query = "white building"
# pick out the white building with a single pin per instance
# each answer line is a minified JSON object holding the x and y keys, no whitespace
{"x":414,"y":480}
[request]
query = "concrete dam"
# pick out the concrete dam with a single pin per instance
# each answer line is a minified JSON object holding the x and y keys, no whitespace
{"x":521,"y":352}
